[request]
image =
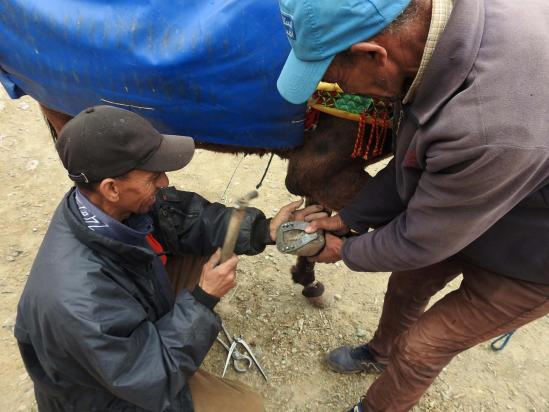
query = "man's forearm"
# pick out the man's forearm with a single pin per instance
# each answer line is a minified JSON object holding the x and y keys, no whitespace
{"x":376,"y":204}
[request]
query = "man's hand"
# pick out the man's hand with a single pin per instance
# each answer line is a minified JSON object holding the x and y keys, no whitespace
{"x":333,"y":224}
{"x":331,"y":252}
{"x":290,"y":212}
{"x":218,"y":280}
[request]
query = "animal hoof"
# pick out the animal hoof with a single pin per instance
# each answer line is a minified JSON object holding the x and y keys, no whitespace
{"x":321,"y":302}
{"x":316,"y":295}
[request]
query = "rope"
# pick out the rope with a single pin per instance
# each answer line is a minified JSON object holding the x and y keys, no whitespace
{"x":223,"y":198}
{"x":265,"y":173}
{"x":501,"y":342}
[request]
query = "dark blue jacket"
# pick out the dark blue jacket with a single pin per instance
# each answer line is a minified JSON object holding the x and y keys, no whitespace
{"x":95,"y":331}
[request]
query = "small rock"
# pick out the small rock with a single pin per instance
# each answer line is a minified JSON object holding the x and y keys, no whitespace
{"x":23,"y":106}
{"x":32,"y":165}
{"x":10,"y":258}
{"x":248,"y":312}
{"x":337,"y":297}
{"x":360,"y":332}
{"x":9,"y":324}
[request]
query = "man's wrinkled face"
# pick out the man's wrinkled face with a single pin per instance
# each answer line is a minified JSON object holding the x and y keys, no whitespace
{"x":137,"y":190}
{"x":361,"y":73}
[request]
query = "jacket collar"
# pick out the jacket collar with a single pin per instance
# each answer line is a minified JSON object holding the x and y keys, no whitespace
{"x":111,"y":248}
{"x":440,"y":13}
{"x":453,"y":58}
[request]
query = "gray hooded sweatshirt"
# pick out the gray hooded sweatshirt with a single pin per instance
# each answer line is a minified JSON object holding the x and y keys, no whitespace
{"x":471,"y":169}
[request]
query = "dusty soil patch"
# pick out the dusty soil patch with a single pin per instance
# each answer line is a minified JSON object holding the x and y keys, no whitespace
{"x":289,"y":335}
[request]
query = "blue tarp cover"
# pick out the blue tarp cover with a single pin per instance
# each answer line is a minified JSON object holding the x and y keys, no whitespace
{"x":207,"y":69}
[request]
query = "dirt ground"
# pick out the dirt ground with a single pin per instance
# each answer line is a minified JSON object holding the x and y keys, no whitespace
{"x":288,"y":335}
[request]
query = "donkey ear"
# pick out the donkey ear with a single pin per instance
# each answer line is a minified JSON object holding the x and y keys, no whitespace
{"x":373,"y":51}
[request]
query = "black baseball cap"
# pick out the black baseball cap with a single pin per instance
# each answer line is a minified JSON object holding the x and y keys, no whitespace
{"x":107,"y":141}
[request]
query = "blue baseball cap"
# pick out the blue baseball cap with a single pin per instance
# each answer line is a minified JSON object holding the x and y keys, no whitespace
{"x":319,"y":29}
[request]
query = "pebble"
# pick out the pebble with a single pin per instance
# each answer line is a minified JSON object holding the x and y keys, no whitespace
{"x":32,"y":165}
{"x":23,"y":106}
{"x":360,"y":332}
{"x":9,"y":324}
{"x":337,"y":297}
{"x":23,"y":378}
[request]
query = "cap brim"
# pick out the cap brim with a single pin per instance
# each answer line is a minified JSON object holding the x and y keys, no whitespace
{"x":174,"y":153}
{"x":299,"y":79}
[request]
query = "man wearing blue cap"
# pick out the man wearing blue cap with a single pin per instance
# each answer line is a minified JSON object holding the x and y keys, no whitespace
{"x":468,"y":188}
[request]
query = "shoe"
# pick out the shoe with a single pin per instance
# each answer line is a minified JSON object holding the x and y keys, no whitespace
{"x":357,"y":408}
{"x":348,"y":359}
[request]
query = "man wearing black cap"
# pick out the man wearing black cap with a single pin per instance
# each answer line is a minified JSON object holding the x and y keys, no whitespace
{"x":99,"y":326}
{"x":468,"y":189}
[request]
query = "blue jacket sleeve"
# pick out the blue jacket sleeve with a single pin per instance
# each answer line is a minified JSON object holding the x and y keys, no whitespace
{"x":186,"y":223}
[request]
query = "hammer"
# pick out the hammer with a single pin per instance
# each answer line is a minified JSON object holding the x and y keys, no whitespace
{"x":237,"y":216}
{"x":227,"y":251}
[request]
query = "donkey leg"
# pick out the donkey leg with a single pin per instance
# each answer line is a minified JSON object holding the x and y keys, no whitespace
{"x":55,"y":120}
{"x":303,"y":272}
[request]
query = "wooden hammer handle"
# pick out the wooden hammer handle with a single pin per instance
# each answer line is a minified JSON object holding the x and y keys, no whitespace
{"x":233,"y":229}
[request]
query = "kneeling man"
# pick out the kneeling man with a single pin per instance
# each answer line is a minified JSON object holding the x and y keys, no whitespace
{"x":99,"y":326}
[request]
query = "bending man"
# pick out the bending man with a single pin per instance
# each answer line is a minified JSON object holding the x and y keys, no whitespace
{"x":468,"y":189}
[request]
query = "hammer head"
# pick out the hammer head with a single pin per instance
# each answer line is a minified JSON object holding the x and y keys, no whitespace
{"x":244,"y":201}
